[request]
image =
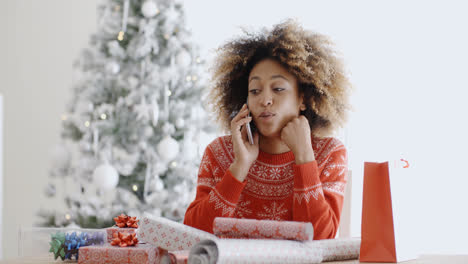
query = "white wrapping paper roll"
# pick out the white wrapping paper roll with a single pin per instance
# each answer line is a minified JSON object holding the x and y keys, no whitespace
{"x":273,"y":251}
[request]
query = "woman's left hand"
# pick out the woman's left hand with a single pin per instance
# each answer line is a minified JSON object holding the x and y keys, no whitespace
{"x":296,"y":135}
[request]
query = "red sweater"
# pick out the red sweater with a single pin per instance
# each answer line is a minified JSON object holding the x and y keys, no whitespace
{"x":275,"y":187}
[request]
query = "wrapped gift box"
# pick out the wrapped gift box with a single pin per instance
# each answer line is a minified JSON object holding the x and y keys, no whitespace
{"x":107,"y":254}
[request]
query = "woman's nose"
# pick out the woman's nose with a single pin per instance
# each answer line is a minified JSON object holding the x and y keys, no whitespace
{"x":266,"y":100}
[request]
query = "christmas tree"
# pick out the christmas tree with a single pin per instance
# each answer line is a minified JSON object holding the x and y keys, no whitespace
{"x":131,"y":134}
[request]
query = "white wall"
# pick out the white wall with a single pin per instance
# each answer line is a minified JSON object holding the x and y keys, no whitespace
{"x":2,"y":74}
{"x":407,"y":59}
{"x":1,"y":172}
{"x":39,"y":41}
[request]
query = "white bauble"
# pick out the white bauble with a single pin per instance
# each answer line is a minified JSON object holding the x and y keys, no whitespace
{"x":112,"y":67}
{"x":168,"y":148}
{"x":149,"y":9}
{"x":148,"y":132}
{"x":106,"y":177}
{"x":172,"y":16}
{"x":158,"y":184}
{"x":180,"y":123}
{"x":183,"y":58}
{"x":143,"y":145}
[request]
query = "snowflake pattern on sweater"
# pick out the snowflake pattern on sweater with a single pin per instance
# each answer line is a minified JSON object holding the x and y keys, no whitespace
{"x":276,"y":188}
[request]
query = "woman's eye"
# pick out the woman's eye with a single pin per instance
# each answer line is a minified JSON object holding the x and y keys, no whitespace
{"x":278,"y":89}
{"x":253,"y":91}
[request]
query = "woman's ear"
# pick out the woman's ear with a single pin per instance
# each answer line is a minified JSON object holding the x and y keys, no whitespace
{"x":303,"y":106}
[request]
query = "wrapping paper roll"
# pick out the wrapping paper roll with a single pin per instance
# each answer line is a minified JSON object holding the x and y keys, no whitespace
{"x":339,"y":248}
{"x":179,"y":257}
{"x":273,"y":251}
{"x":207,"y":248}
{"x":170,"y":235}
{"x":224,"y":227}
{"x":253,"y":251}
{"x":174,"y":257}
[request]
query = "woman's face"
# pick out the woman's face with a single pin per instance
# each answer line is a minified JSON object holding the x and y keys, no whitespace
{"x":273,"y":97}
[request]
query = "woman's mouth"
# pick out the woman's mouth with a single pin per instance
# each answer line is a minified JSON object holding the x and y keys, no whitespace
{"x":265,"y":116}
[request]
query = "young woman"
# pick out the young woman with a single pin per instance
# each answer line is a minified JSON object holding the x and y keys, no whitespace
{"x":289,"y":84}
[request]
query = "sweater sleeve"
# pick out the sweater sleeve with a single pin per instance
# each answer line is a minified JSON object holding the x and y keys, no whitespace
{"x":319,"y":198}
{"x":216,"y":197}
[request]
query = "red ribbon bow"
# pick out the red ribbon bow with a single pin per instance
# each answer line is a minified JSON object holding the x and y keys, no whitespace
{"x":123,"y":239}
{"x":126,"y":221}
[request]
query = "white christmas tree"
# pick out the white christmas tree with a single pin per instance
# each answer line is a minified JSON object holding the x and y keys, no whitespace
{"x":131,"y":135}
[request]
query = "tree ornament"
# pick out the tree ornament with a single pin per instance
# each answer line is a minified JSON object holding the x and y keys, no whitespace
{"x":158,"y":185}
{"x":155,"y":112}
{"x":168,"y":148}
{"x":172,"y":15}
{"x":106,"y":177}
{"x":168,"y":128}
{"x":180,"y":123}
{"x":143,"y":110}
{"x":148,"y":132}
{"x":115,"y":49}
{"x":125,"y":221}
{"x":121,"y":34}
{"x":112,"y":67}
{"x":183,"y":58}
{"x":149,"y":9}
{"x":95,"y":141}
{"x":124,"y":161}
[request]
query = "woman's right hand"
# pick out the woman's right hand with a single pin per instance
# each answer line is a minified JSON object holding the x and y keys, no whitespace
{"x":245,"y":154}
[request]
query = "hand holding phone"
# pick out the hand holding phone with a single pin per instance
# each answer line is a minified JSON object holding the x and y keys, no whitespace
{"x":245,"y":153}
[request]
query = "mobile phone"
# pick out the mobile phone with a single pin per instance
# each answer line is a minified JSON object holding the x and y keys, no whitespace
{"x":250,"y":127}
{"x":249,"y":133}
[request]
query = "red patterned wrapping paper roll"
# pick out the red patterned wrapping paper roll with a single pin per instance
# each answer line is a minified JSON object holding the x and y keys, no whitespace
{"x":169,"y":235}
{"x":112,"y":230}
{"x":141,"y":254}
{"x":224,"y":227}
